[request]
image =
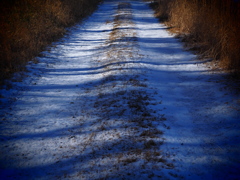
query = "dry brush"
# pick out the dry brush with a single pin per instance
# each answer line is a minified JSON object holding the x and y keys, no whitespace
{"x":210,"y":27}
{"x":28,"y":26}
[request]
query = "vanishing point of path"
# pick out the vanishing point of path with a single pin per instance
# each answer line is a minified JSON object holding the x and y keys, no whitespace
{"x":119,"y":98}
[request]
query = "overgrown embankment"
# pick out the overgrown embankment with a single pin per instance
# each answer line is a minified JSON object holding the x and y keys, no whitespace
{"x":210,"y":27}
{"x":27,"y":26}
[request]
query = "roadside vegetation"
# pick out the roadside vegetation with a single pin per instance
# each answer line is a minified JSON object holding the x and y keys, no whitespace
{"x":28,"y":26}
{"x":208,"y":27}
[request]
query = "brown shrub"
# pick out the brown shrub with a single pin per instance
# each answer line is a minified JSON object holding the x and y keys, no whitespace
{"x":212,"y":26}
{"x":28,"y":26}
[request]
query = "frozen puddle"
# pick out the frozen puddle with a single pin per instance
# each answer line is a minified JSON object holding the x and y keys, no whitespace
{"x":119,"y":98}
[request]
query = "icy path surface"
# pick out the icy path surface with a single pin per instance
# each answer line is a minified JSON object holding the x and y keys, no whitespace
{"x":119,"y":98}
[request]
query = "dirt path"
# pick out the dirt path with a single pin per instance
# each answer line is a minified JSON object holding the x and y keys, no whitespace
{"x":123,"y":137}
{"x":119,"y":98}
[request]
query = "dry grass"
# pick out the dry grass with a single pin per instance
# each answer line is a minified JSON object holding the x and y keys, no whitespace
{"x":208,"y":27}
{"x":28,"y":26}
